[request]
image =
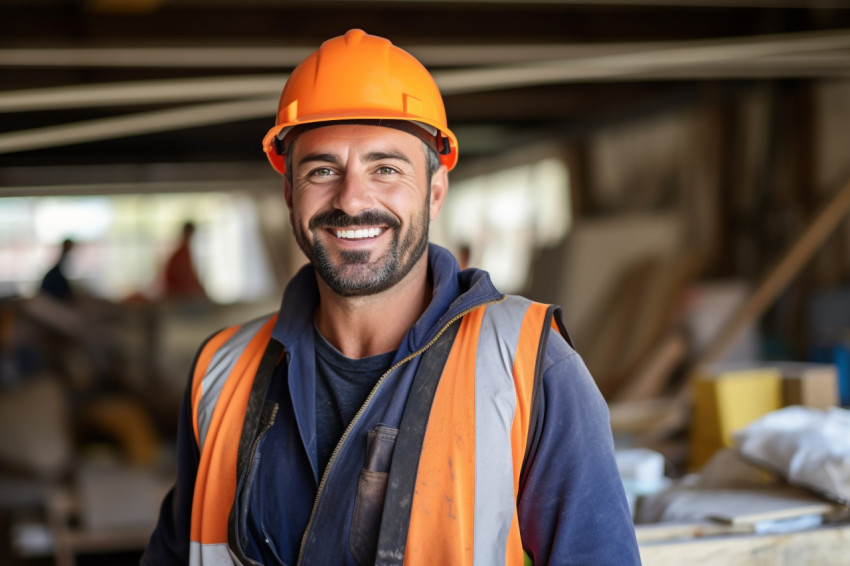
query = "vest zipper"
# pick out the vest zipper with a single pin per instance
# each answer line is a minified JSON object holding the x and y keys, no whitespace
{"x":360,"y":411}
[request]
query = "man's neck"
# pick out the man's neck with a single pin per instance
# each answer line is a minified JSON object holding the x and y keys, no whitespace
{"x":374,"y":324}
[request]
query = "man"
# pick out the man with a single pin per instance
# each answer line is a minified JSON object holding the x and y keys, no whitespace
{"x":180,"y":281}
{"x":54,"y":282}
{"x":396,"y":409}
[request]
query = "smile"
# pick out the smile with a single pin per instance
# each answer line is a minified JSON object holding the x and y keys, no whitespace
{"x":358,"y":234}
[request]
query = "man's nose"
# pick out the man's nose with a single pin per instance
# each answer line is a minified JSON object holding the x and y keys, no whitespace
{"x":354,"y":194}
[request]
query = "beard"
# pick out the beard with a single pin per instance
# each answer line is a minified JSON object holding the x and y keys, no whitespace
{"x":356,"y":273}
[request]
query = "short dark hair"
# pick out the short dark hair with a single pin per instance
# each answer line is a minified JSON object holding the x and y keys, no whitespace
{"x":432,"y":160}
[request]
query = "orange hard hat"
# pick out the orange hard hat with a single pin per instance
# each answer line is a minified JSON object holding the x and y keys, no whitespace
{"x":361,"y":78}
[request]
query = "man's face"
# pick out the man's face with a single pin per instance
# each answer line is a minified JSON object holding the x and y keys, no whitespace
{"x":360,"y":205}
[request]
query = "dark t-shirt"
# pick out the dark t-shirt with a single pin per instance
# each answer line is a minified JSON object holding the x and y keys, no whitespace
{"x":342,"y":385}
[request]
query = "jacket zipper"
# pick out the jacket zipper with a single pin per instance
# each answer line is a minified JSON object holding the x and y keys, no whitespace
{"x":362,"y":409}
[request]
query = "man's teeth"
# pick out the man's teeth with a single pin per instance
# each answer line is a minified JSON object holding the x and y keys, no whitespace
{"x":358,"y":234}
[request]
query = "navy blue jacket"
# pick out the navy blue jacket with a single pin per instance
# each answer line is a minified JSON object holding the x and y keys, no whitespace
{"x":572,"y":508}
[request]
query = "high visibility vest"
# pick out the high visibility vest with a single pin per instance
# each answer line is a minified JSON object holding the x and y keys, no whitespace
{"x":474,"y":446}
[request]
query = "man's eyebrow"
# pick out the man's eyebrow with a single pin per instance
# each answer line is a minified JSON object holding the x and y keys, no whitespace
{"x":320,"y":157}
{"x":379,"y":155}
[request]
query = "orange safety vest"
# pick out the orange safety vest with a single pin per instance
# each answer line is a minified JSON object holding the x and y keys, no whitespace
{"x":467,"y":482}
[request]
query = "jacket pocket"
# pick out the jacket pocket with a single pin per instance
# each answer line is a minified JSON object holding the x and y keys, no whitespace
{"x":371,"y":491}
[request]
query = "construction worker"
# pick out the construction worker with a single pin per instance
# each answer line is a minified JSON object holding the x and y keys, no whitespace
{"x":396,"y":409}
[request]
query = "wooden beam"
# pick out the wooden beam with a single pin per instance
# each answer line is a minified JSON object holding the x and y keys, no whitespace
{"x":780,"y":276}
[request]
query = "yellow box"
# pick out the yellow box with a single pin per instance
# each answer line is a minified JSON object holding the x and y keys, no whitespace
{"x":728,"y":398}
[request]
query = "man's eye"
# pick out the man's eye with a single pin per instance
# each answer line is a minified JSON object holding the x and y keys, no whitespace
{"x":386,"y":170}
{"x":321,"y":172}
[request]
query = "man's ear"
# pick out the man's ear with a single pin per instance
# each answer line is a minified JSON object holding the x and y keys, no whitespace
{"x":439,"y":188}
{"x":287,"y":190}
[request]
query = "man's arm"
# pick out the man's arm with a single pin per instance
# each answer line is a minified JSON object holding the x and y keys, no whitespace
{"x":169,"y":543}
{"x":572,"y":507}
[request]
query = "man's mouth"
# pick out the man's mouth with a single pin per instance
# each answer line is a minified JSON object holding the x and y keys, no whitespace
{"x":358,"y":234}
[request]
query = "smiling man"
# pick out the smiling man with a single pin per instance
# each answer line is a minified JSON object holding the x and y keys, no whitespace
{"x":366,"y":192}
{"x":396,"y":409}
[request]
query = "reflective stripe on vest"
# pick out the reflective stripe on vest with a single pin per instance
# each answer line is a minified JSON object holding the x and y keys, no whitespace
{"x":472,"y":454}
{"x":221,"y":386}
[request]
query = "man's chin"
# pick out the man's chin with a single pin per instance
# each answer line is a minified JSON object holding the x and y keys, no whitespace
{"x":355,"y":289}
{"x":352,"y":280}
{"x":354,"y":260}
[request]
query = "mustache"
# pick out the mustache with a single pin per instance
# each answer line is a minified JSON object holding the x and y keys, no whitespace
{"x":339,"y":219}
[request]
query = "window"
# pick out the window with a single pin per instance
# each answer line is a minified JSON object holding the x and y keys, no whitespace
{"x":124,"y":240}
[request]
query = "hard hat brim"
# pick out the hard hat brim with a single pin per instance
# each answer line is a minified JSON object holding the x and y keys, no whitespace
{"x":272,"y":141}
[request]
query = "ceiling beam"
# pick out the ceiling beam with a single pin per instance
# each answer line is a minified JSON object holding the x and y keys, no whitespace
{"x":809,"y":4}
{"x":741,"y":57}
{"x":141,"y":92}
{"x":281,"y":57}
{"x":92,"y":189}
{"x":135,"y":124}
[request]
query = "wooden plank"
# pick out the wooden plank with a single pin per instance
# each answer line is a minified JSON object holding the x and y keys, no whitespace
{"x":740,"y":507}
{"x":734,"y":506}
{"x":816,"y":547}
{"x":672,"y":532}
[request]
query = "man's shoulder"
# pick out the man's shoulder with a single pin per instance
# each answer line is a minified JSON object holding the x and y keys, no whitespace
{"x":558,"y":348}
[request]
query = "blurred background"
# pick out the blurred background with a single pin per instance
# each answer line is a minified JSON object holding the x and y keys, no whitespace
{"x":674,"y":173}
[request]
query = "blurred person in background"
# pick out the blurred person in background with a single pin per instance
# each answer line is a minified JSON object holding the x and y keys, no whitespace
{"x":180,"y":280}
{"x":55,"y":283}
{"x":397,"y":409}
